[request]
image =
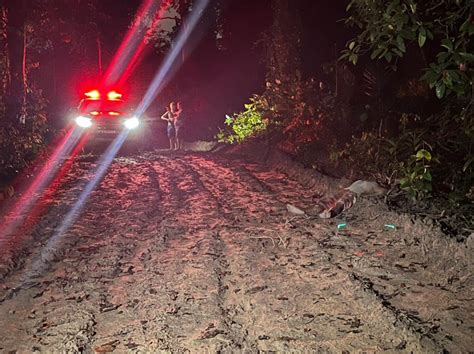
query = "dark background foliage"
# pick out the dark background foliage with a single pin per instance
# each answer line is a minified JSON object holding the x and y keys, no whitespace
{"x":382,"y":90}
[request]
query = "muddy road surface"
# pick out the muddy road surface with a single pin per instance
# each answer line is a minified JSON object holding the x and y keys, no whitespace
{"x":198,"y":253}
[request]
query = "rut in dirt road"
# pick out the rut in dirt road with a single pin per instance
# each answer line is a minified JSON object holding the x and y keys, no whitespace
{"x":198,"y":253}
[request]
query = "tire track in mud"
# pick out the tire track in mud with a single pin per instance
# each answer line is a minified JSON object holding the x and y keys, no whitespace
{"x":171,"y":202}
{"x":203,"y":243}
{"x":416,"y":325}
{"x":119,"y":327}
{"x":344,"y":276}
{"x":163,"y":250}
{"x":412,"y":323}
{"x":127,"y":245}
{"x":396,"y":275}
{"x":236,"y":332}
{"x":54,"y":200}
{"x":83,"y":244}
{"x":183,"y":253}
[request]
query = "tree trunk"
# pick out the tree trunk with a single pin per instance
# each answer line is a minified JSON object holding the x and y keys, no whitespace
{"x":4,"y":62}
{"x":16,"y":46}
{"x":25,"y":77}
{"x":285,"y":34}
{"x":99,"y":54}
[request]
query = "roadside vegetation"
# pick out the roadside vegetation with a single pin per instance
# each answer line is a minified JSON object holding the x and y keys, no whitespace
{"x":397,"y":106}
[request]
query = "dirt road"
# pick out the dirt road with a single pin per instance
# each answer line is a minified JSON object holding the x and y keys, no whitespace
{"x":196,"y":252}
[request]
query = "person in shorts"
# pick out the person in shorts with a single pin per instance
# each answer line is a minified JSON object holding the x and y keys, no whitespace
{"x":179,"y":123}
{"x":169,"y":116}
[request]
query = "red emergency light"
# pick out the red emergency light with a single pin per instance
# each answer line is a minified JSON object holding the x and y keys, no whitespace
{"x":114,"y":95}
{"x":94,"y":94}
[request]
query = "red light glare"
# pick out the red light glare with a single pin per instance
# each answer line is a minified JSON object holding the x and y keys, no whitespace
{"x":94,"y":94}
{"x":95,"y":113}
{"x":114,"y":95}
{"x":114,"y":113}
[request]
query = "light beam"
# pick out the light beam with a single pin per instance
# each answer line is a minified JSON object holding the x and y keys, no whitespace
{"x":20,"y":210}
{"x":133,"y":44}
{"x":170,"y":64}
{"x":54,"y":242}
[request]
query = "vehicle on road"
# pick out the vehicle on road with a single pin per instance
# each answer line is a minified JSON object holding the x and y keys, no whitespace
{"x":105,"y":115}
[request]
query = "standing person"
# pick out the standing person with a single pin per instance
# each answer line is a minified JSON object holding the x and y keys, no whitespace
{"x":179,"y":122}
{"x":169,"y":116}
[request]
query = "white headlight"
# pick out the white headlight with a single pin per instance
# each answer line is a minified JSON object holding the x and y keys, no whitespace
{"x":131,"y":123}
{"x":83,"y":122}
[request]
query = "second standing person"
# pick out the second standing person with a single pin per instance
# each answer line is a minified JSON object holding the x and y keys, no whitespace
{"x":170,"y":117}
{"x":179,"y":122}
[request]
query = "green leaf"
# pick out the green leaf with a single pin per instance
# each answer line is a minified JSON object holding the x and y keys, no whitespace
{"x":384,"y":52}
{"x":430,"y":76}
{"x":440,"y":90}
{"x":442,"y":57}
{"x":423,"y":154}
{"x":345,"y":55}
{"x":446,"y":43}
{"x":376,"y":53}
{"x":447,"y":79}
{"x":397,"y":52}
{"x":228,"y":119}
{"x":429,"y":34}
{"x":408,"y":34}
{"x":388,"y":57}
{"x":468,"y":56}
{"x":468,"y":163}
{"x":353,"y":58}
{"x":401,"y":44}
{"x":404,"y":182}
{"x":427,"y":176}
{"x":455,"y":76}
{"x":351,"y":45}
{"x":422,"y":37}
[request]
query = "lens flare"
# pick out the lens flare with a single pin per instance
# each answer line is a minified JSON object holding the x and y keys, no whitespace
{"x":131,"y":123}
{"x":120,"y":68}
{"x":54,"y":242}
{"x":170,"y":64}
{"x":83,"y":122}
{"x":132,"y":46}
{"x":14,"y":217}
{"x":126,"y":56}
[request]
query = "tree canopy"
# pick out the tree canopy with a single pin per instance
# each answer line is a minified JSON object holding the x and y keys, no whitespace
{"x":443,"y":30}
